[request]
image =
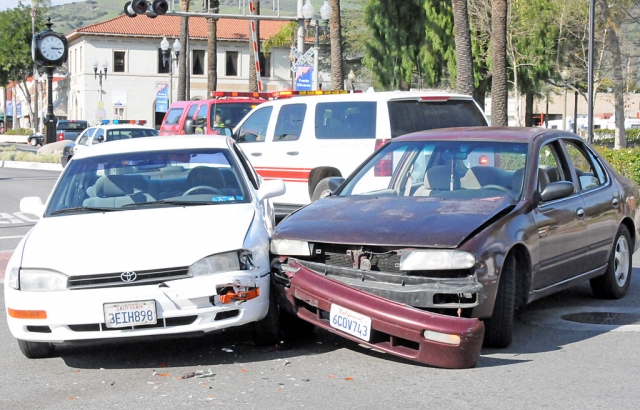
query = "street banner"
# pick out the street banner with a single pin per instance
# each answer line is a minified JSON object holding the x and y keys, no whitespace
{"x":9,"y":109}
{"x":162,"y":97}
{"x":304,"y":79}
{"x":19,"y":109}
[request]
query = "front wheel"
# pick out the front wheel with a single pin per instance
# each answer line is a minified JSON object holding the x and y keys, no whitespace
{"x":266,"y":331}
{"x":33,"y":142}
{"x":614,"y":284}
{"x":498,"y":330}
{"x":36,"y":350}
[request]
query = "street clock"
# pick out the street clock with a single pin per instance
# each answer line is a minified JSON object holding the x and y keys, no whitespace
{"x":49,"y":49}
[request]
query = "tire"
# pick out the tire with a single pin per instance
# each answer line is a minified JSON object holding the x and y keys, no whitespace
{"x":313,"y":190}
{"x":614,"y":284}
{"x":498,"y":330}
{"x":266,"y":331}
{"x":36,"y":350}
{"x":294,"y":328}
{"x":33,"y":142}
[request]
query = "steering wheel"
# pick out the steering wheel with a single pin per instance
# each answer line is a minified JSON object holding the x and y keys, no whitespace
{"x":498,"y":187}
{"x":204,"y":188}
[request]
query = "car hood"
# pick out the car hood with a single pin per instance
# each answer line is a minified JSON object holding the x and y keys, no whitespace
{"x":390,"y":221}
{"x":150,"y":238}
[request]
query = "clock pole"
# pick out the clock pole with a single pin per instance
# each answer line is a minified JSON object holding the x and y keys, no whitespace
{"x":50,"y":120}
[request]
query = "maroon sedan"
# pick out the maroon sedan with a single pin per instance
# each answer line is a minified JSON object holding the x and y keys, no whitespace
{"x":438,"y":229}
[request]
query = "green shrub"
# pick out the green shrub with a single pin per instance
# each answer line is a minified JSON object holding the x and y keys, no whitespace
{"x":11,"y":153}
{"x":19,"y":131}
{"x":625,"y":161}
{"x":605,"y":136}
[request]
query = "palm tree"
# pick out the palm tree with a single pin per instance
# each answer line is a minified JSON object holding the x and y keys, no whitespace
{"x":253,"y":77}
{"x":337,"y":76}
{"x":182,"y":58}
{"x":463,"y":47}
{"x":212,"y":49}
{"x":499,"y":90}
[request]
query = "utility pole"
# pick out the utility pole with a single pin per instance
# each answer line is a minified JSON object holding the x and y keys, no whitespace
{"x":35,"y":123}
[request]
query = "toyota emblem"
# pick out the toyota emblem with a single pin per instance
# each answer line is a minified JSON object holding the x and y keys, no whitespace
{"x":128,"y":276}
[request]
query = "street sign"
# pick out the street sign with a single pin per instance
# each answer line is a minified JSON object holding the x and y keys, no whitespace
{"x":101,"y":105}
{"x":301,"y":59}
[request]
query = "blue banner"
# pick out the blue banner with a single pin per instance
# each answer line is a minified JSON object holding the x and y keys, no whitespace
{"x":19,"y":109}
{"x":9,"y":110}
{"x":162,"y":97}
{"x":304,"y":79}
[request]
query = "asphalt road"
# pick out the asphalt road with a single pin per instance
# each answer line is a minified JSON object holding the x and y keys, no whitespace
{"x":553,"y":363}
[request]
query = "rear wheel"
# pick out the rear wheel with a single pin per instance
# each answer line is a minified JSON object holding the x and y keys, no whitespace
{"x":36,"y":350}
{"x":498,"y":330}
{"x":33,"y":142}
{"x":615,"y":282}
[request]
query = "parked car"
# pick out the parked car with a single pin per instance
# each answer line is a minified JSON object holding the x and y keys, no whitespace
{"x":35,"y":139}
{"x":106,"y":131}
{"x":306,"y":138}
{"x":70,"y":129}
{"x":470,"y":222}
{"x":166,"y":236}
{"x":214,"y":116}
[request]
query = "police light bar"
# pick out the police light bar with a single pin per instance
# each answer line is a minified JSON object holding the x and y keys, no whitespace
{"x":249,"y":94}
{"x":287,"y":94}
{"x":133,"y":122}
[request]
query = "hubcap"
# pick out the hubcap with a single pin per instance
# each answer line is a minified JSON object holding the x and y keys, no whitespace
{"x":621,"y":261}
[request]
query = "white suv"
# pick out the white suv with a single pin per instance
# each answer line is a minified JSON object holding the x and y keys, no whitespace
{"x":305,"y":139}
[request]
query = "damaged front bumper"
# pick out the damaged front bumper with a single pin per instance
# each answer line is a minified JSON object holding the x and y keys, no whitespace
{"x":383,"y":324}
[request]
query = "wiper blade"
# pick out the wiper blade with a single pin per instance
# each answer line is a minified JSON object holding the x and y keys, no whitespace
{"x":84,"y":209}
{"x":167,"y":202}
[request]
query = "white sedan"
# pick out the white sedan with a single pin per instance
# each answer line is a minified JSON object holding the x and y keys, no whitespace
{"x":164,"y":235}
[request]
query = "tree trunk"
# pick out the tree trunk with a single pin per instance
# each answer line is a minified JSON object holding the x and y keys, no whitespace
{"x":182,"y":58}
{"x":528,"y":110}
{"x":337,"y":74}
{"x":253,"y":77}
{"x":499,"y":89}
{"x":27,"y":95}
{"x":464,"y":58}
{"x":212,"y":53}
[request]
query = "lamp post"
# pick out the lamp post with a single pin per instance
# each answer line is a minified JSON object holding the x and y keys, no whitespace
{"x":35,"y":123}
{"x":167,"y":58}
{"x":325,"y":12}
{"x":565,"y":74}
{"x":101,"y":73}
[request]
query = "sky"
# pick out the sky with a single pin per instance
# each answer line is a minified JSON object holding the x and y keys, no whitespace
{"x":9,"y":4}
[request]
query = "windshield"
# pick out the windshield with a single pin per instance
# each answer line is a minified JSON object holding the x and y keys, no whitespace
{"x":229,"y":114}
{"x":443,"y":169}
{"x":149,"y":179}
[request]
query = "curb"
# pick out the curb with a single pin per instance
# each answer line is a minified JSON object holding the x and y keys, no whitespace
{"x":31,"y":165}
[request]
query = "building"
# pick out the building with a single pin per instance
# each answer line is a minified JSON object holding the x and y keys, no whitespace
{"x":136,"y":75}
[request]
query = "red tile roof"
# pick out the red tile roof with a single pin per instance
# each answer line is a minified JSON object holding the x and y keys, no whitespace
{"x":169,"y":26}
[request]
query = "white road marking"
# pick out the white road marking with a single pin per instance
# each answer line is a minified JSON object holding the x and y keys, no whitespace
{"x":16,"y":218}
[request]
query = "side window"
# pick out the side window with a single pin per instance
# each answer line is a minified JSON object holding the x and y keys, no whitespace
{"x":590,"y":173}
{"x":201,"y":119}
{"x":96,"y":138}
{"x":254,"y":128}
{"x":173,"y":117}
{"x":251,"y":173}
{"x":346,"y":120}
{"x":192,"y":111}
{"x":289,"y":123}
{"x":85,"y":136}
{"x":549,"y":166}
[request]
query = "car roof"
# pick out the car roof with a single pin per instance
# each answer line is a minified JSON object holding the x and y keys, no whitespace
{"x":507,"y":134}
{"x":155,"y":144}
{"x":121,"y":126}
{"x":370,"y":96}
{"x":179,"y":104}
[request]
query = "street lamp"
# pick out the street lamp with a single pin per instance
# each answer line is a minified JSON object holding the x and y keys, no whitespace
{"x":166,"y":58}
{"x":325,"y":12}
{"x":565,"y":74}
{"x":35,"y":123}
{"x":101,"y":73}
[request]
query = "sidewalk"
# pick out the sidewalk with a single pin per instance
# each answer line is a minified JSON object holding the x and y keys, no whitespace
{"x":17,"y":139}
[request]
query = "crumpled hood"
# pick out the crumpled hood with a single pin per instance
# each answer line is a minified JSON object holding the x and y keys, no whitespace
{"x":151,"y":238}
{"x":390,"y":221}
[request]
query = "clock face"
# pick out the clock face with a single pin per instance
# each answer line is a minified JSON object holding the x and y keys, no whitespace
{"x":51,"y":48}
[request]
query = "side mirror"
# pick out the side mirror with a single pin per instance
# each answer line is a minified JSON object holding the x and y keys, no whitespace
{"x":270,"y":189}
{"x":326,"y":187}
{"x":101,"y":138}
{"x":557,"y":190}
{"x":32,"y":205}
{"x":189,"y":126}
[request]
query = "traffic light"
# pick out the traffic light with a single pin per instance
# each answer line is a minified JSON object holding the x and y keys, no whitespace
{"x":150,"y":8}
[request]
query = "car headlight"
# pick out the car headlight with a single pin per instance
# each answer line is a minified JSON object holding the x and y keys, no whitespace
{"x":290,"y":247}
{"x":436,"y":259}
{"x":36,"y":280}
{"x":14,"y":278}
{"x":222,"y":262}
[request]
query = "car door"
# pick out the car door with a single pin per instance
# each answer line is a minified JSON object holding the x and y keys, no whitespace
{"x":84,"y":139}
{"x":251,"y":135}
{"x":561,"y":225}
{"x":602,"y":204}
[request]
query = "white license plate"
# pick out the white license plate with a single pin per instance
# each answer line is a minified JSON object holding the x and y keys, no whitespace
{"x":351,"y":322}
{"x":130,"y":314}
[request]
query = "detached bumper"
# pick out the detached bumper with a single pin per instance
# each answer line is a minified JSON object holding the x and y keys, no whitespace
{"x":396,"y":328}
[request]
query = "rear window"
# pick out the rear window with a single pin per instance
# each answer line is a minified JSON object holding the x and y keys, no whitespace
{"x":346,"y":120}
{"x":173,"y":116}
{"x":411,"y":116}
{"x":120,"y":134}
{"x":72,"y":125}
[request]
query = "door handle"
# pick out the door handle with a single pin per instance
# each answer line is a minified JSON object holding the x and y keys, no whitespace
{"x":256,"y":154}
{"x":580,"y":213}
{"x":292,"y":153}
{"x":615,"y":202}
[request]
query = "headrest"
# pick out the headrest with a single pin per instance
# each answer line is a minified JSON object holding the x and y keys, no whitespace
{"x":206,"y":176}
{"x":516,"y":180}
{"x":109,"y":186}
{"x":439,"y":177}
{"x":543,"y":179}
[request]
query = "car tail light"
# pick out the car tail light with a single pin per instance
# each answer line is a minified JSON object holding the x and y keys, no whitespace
{"x":384,"y":167}
{"x":61,"y":136}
